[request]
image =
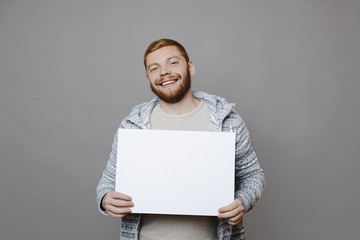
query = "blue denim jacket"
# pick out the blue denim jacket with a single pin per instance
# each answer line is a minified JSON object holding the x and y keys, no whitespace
{"x":249,"y":177}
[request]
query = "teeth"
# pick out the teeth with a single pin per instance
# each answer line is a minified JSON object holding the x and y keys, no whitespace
{"x":167,"y":83}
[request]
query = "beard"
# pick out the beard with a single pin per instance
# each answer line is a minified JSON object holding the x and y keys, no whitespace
{"x":175,"y":95}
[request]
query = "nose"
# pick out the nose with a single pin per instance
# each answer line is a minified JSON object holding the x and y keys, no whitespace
{"x":164,"y":71}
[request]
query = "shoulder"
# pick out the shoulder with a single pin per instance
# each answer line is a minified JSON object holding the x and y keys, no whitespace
{"x":233,"y":122}
{"x":139,"y":114}
{"x":235,"y":118}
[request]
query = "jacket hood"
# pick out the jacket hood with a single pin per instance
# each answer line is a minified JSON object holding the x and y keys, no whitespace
{"x":219,"y":107}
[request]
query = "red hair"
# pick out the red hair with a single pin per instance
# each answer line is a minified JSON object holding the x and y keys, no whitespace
{"x":156,"y":45}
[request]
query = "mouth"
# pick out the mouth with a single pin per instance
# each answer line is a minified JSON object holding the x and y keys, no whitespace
{"x":168,"y":83}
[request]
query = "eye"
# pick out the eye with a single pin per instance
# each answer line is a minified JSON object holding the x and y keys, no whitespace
{"x":173,"y":62}
{"x":153,"y":69}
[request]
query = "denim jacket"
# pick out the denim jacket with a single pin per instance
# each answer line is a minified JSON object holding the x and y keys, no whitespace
{"x":249,"y":177}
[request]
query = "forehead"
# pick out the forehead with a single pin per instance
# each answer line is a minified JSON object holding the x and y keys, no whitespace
{"x":163,"y":54}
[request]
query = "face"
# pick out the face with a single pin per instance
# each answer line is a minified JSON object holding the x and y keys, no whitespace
{"x":169,"y":74}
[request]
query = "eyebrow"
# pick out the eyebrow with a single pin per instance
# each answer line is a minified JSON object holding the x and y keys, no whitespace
{"x":177,"y":57}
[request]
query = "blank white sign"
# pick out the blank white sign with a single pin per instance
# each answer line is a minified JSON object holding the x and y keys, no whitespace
{"x":176,"y":172}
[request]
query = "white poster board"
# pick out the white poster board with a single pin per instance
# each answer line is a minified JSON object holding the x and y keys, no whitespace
{"x":176,"y":172}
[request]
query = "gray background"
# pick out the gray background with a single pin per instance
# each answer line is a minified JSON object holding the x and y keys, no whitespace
{"x":71,"y":70}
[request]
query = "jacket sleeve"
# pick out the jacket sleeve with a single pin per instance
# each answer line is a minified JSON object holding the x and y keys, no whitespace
{"x":107,"y":181}
{"x":249,"y":177}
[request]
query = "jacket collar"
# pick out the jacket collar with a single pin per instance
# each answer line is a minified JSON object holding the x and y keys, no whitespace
{"x":219,"y":109}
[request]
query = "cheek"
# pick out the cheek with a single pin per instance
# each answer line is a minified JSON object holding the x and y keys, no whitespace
{"x":152,"y":80}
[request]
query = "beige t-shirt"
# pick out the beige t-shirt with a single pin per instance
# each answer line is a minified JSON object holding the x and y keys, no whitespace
{"x":196,"y":120}
{"x":175,"y":227}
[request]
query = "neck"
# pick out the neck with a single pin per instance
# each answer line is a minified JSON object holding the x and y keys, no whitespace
{"x":187,"y":104}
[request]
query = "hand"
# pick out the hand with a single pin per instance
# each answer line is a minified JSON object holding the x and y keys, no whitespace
{"x":117,"y":204}
{"x":232,"y":212}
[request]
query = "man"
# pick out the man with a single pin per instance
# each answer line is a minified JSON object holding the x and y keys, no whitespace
{"x":177,"y":107}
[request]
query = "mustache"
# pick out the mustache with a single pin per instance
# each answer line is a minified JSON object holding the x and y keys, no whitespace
{"x":161,"y":79}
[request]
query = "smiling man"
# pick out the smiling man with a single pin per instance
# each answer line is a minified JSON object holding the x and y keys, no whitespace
{"x":168,"y":73}
{"x":177,"y":107}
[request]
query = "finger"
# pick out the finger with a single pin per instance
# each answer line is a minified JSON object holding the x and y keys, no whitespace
{"x":235,"y":204}
{"x":116,"y":215}
{"x":117,"y":211}
{"x":120,"y":203}
{"x":235,"y":220}
{"x":233,"y":223}
{"x":227,"y":208}
{"x":111,"y":199}
{"x":230,"y":214}
{"x":120,"y":195}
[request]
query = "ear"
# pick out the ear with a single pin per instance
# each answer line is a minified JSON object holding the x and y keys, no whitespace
{"x":191,"y":67}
